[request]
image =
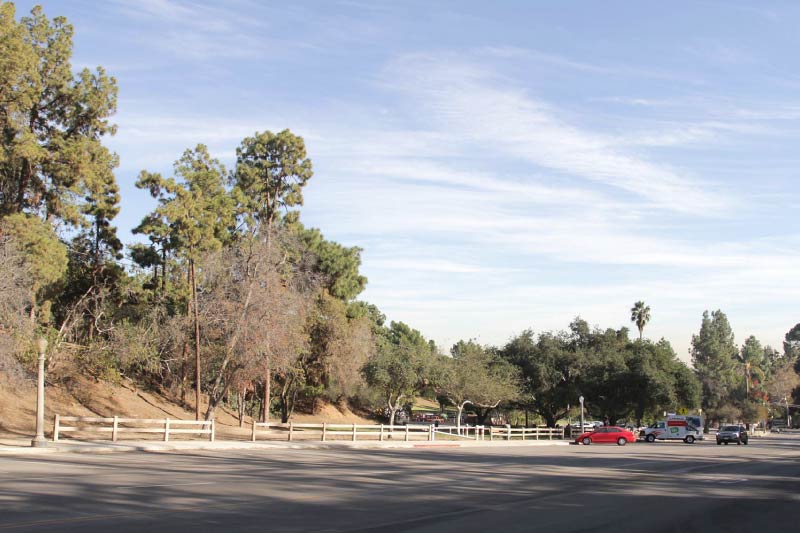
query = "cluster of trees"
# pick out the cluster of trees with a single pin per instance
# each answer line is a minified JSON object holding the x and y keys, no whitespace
{"x":229,"y":298}
{"x":743,"y":382}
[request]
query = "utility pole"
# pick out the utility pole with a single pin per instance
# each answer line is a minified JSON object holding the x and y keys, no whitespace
{"x":581,"y":400}
{"x":39,"y":440}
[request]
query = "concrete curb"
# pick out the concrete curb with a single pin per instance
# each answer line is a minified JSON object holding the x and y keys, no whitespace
{"x":185,"y":446}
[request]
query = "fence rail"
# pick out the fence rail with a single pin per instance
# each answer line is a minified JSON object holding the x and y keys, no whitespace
{"x":408,"y":432}
{"x":509,"y":433}
{"x":354,"y":431}
{"x":165,"y":426}
{"x":478,"y":432}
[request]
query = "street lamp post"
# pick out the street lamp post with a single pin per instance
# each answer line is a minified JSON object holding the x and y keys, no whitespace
{"x":581,"y":400}
{"x":39,"y":440}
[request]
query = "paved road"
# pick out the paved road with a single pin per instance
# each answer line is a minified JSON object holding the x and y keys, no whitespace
{"x":642,"y":487}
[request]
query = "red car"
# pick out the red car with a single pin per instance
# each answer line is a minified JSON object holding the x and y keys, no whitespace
{"x":609,"y":434}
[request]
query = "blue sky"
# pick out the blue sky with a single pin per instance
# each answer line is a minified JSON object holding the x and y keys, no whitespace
{"x":504,"y":165}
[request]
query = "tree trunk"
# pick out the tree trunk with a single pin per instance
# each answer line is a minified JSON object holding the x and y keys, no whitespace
{"x":163,"y":269}
{"x":549,"y":419}
{"x":394,"y":407}
{"x":196,"y":339}
{"x":267,"y":392}
{"x":184,"y":364}
{"x":460,"y":412}
{"x":240,"y":406}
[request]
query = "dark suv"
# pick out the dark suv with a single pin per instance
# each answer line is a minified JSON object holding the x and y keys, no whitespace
{"x":737,"y":434}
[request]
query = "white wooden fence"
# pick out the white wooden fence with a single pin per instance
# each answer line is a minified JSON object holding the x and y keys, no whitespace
{"x":356,"y":432}
{"x":353,"y":431}
{"x":463,"y":432}
{"x":509,"y":433}
{"x":116,"y":425}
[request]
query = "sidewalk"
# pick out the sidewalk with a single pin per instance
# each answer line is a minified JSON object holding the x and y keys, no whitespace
{"x":23,"y":447}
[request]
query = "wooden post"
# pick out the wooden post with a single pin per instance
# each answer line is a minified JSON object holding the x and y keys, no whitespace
{"x":551,"y":434}
{"x":213,"y":430}
{"x":324,"y":430}
{"x":406,"y":432}
{"x":56,"y":427}
{"x":291,"y":429}
{"x":114,"y":429}
{"x":430,"y":432}
{"x":508,"y":428}
{"x":254,"y":430}
{"x":381,"y":437}
{"x":491,"y":433}
{"x":523,"y":432}
{"x":166,"y":430}
{"x":537,"y":433}
{"x":354,"y":432}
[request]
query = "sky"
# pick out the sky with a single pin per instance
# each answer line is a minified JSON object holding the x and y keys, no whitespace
{"x":504,"y":165}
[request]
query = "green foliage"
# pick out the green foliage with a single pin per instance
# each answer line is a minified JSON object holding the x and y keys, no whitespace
{"x":791,"y":343}
{"x":193,"y":205}
{"x":45,"y":255}
{"x":714,"y":356}
{"x":618,"y":378}
{"x":550,"y":367}
{"x":401,"y":367}
{"x":640,"y":315}
{"x":338,"y":264}
{"x":51,"y":156}
{"x":271,"y":171}
{"x":477,"y":375}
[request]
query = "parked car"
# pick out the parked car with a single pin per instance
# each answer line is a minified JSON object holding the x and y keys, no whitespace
{"x":607,"y":434}
{"x":737,"y":434}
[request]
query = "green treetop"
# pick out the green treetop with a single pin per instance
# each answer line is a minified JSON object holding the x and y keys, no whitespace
{"x":52,"y":121}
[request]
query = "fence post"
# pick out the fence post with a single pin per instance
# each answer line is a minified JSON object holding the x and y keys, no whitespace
{"x":381,"y":437}
{"x":354,"y":432}
{"x":213,"y":430}
{"x":56,"y":424}
{"x":524,"y":430}
{"x":406,"y":432}
{"x":508,"y":428}
{"x":291,"y":429}
{"x":254,"y":431}
{"x":550,"y":433}
{"x":324,"y":430}
{"x":433,"y":433}
{"x":537,"y":432}
{"x":114,"y":429}
{"x":166,"y":430}
{"x":491,"y":433}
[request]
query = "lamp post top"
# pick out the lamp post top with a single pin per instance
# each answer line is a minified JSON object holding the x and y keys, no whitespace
{"x":580,"y":399}
{"x":41,"y":344}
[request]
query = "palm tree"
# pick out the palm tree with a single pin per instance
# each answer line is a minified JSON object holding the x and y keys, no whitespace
{"x":640,"y":314}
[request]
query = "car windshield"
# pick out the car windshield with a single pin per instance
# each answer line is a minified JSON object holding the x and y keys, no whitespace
{"x":730,"y":428}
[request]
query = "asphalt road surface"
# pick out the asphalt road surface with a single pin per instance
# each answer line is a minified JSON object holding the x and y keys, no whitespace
{"x":639,"y":487}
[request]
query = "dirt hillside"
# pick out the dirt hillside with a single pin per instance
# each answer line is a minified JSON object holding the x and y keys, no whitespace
{"x":87,"y":397}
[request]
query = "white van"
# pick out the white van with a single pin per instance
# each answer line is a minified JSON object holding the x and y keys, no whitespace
{"x":673,"y":428}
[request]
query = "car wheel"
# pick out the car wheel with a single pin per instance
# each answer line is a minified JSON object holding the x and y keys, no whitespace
{"x":745,"y":442}
{"x":738,"y":442}
{"x":587,"y":441}
{"x":689,"y":439}
{"x":719,"y":443}
{"x":650,"y":438}
{"x":622,"y":441}
{"x":726,"y":443}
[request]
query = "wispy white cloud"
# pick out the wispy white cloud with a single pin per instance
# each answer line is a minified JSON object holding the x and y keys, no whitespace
{"x":487,"y":111}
